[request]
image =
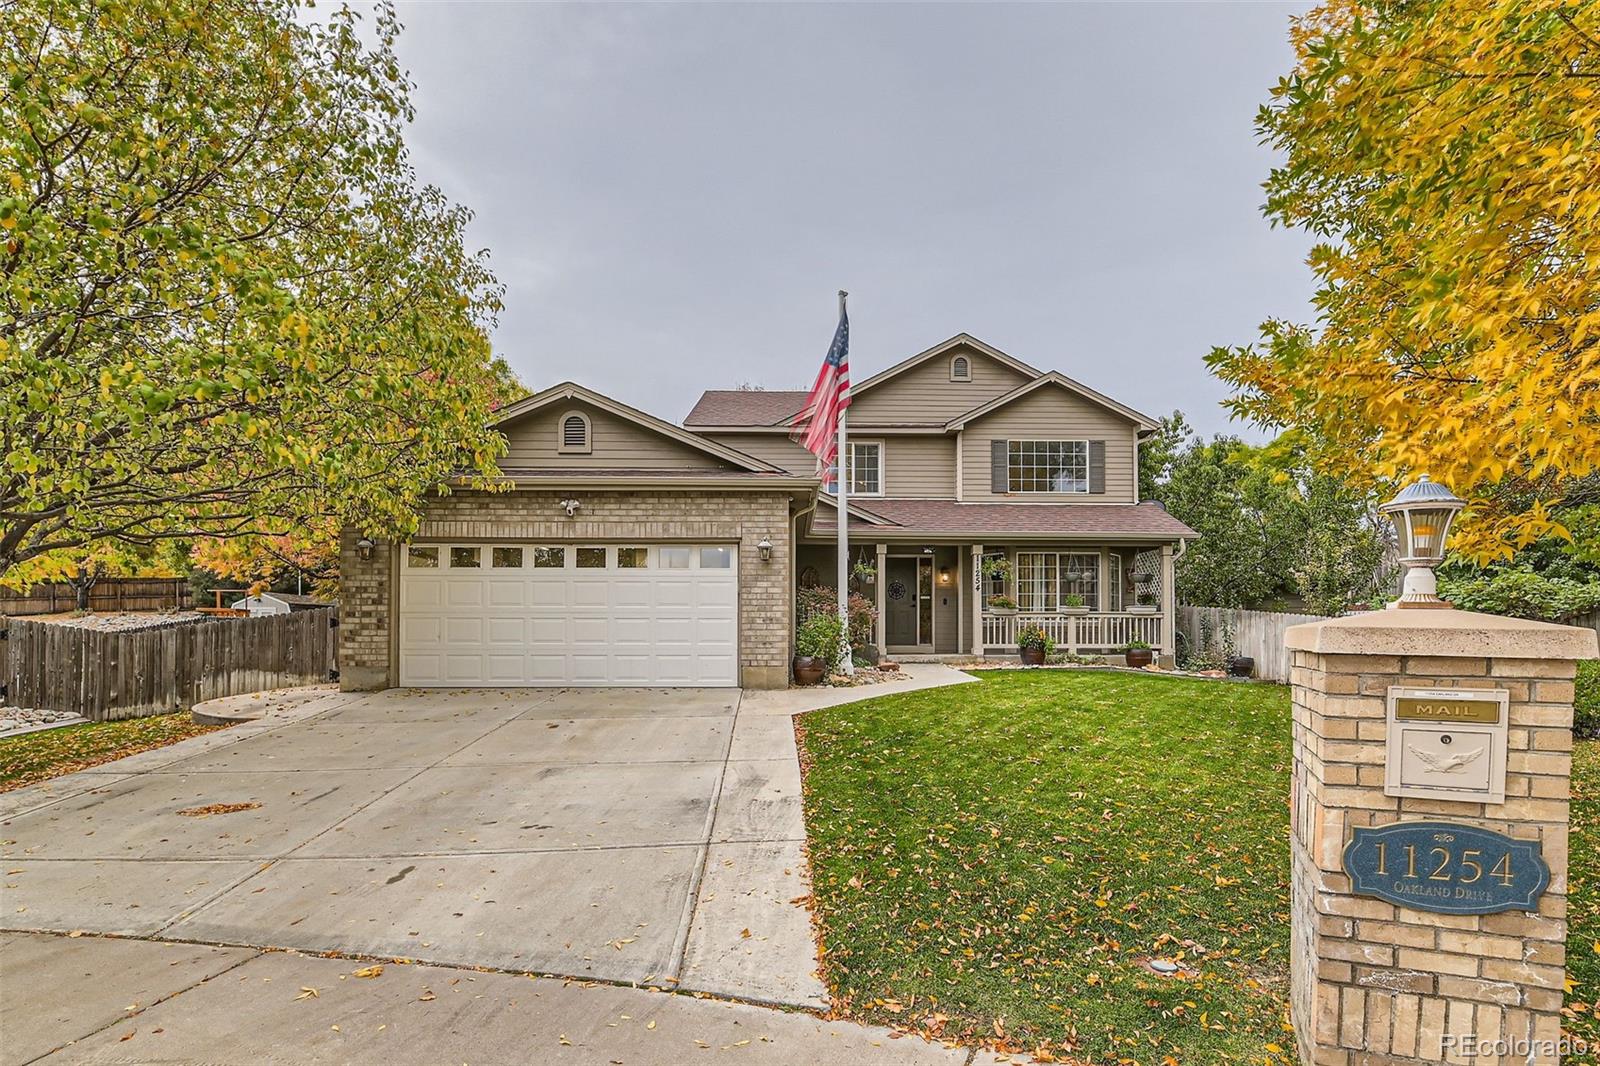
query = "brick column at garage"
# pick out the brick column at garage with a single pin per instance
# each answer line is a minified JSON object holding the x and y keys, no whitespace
{"x":1374,"y":983}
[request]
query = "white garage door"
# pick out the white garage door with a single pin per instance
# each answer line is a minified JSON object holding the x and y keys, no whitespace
{"x":569,"y":614}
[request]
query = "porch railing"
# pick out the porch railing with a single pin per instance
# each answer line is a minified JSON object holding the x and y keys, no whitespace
{"x":1095,"y":631}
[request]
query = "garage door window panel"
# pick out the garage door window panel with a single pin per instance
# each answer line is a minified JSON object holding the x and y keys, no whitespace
{"x":633,"y":558}
{"x":716,"y":558}
{"x":506,"y":558}
{"x":465,"y":558}
{"x":591,"y":558}
{"x":422,"y":558}
{"x":675,"y":558}
{"x":549,"y":558}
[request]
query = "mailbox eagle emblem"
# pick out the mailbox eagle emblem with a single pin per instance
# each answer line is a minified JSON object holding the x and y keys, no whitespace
{"x":1446,"y":764}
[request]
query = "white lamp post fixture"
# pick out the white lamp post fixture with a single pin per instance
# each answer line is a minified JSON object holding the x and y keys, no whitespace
{"x":1422,"y":514}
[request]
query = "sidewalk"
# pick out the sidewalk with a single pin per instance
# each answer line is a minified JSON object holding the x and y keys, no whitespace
{"x":100,"y":1000}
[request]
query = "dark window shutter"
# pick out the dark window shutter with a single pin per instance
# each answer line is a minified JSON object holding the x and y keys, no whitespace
{"x":1097,"y":467}
{"x":999,"y":456}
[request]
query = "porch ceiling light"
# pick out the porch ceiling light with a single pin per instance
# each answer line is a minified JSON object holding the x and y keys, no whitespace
{"x":1422,"y":514}
{"x":764,"y":546}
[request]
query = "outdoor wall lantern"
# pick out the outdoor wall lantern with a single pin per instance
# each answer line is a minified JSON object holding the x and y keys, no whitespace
{"x":944,"y":575}
{"x":364,"y":548}
{"x":764,"y":546}
{"x":1422,"y":514}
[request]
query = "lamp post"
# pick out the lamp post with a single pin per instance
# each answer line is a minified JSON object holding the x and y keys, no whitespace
{"x":1422,"y":514}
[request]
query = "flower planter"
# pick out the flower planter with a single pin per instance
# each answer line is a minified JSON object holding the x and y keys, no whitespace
{"x":1075,"y":610}
{"x":808,"y":669}
{"x":1001,"y":611}
{"x":1242,"y":666}
{"x":1139,"y":657}
{"x":1143,"y":608}
{"x":1032,"y":656}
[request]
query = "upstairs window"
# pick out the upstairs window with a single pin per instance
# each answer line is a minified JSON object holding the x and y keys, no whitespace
{"x":1047,"y":466}
{"x":866,"y":468}
{"x":574,"y":434}
{"x":960,"y":368}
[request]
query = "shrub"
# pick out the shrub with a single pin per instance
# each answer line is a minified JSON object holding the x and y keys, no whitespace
{"x":1072,"y":599}
{"x":1035,"y":637}
{"x":818,"y":638}
{"x":1138,"y":645}
{"x":1586,"y":707}
{"x":1521,"y":594}
{"x":817,"y":600}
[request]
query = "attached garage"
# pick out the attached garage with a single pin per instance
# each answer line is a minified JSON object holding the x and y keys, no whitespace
{"x":661,"y":614}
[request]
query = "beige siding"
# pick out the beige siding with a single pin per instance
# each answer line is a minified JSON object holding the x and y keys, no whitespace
{"x":1050,"y":413}
{"x":616,"y":442}
{"x":775,"y":448}
{"x":926,"y":394}
{"x":918,"y":466}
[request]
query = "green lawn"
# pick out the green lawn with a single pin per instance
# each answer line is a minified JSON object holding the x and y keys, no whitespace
{"x":34,"y":757}
{"x":995,"y":860}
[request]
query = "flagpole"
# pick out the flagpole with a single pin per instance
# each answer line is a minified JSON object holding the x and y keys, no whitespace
{"x":847,"y":665}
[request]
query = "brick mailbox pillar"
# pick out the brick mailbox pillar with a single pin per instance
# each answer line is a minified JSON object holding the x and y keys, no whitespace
{"x":1440,"y":938}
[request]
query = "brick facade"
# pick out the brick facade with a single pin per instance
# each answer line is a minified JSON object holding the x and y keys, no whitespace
{"x":765,"y":600}
{"x":1374,"y":984}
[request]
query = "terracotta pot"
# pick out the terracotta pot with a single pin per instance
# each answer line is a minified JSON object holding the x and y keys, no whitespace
{"x":1032,"y":656}
{"x":1139,"y":657}
{"x":1242,"y":666}
{"x":808,"y":669}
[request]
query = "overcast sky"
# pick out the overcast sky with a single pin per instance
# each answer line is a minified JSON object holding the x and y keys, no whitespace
{"x":673,"y":194}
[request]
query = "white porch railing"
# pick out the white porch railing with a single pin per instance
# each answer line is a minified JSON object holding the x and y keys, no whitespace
{"x":1095,"y":631}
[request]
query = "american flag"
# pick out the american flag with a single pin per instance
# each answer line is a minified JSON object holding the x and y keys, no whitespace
{"x":817,"y":425}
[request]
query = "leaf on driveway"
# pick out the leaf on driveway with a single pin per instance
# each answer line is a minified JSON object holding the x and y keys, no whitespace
{"x":217,"y":808}
{"x":307,"y":992}
{"x":370,"y":971}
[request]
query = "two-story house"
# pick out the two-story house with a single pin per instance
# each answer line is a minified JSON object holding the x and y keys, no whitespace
{"x":962,"y":455}
{"x":626,"y":550}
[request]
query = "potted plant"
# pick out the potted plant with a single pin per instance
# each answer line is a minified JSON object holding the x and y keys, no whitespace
{"x":1002,"y":605}
{"x":1138,"y":654}
{"x":817,"y":645}
{"x":1072,"y":603}
{"x":1145,"y":604}
{"x":1035,"y":645}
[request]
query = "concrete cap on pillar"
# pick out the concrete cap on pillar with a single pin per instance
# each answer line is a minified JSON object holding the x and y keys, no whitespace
{"x":1444,"y":633}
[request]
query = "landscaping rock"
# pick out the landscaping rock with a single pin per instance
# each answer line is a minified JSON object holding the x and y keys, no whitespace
{"x":15,"y":720}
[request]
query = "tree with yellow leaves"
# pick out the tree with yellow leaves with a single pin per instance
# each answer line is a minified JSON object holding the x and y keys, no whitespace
{"x":1446,"y":153}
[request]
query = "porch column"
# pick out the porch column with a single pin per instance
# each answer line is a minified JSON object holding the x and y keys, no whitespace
{"x":1169,"y":606}
{"x":880,"y":627}
{"x":977,"y":600}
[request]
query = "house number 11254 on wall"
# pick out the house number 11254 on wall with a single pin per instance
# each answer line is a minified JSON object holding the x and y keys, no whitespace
{"x":1446,"y":867}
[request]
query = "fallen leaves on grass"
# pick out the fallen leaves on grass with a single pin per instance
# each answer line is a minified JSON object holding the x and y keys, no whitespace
{"x":217,"y":808}
{"x":34,"y":757}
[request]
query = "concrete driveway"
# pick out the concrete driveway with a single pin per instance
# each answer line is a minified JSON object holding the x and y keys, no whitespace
{"x":645,"y":836}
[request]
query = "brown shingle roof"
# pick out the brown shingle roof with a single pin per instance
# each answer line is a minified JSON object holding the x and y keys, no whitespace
{"x":948,"y":516}
{"x":745,"y":407}
{"x":640,"y":472}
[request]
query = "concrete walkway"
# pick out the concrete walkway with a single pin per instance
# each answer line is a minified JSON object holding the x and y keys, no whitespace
{"x":95,"y":1000}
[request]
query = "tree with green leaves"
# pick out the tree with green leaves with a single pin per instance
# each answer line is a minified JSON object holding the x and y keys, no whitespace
{"x":228,"y":306}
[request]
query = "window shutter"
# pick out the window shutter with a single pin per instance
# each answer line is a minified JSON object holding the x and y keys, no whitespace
{"x":1097,"y":467}
{"x":999,"y":477}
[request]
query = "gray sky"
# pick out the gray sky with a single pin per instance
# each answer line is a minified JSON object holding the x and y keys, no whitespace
{"x":673,"y":194}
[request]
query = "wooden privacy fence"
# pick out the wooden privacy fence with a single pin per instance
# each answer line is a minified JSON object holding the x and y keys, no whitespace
{"x":108,"y":594}
{"x":112,"y":675}
{"x":1258,"y":634}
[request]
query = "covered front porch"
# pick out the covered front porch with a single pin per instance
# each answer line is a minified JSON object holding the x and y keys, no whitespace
{"x":970,"y":598}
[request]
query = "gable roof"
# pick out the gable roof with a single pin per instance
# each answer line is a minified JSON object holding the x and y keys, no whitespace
{"x":745,"y":407}
{"x":568,"y":391}
{"x":1061,"y":380}
{"x":960,"y":340}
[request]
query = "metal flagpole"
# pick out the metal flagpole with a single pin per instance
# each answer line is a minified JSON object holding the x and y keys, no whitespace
{"x":847,"y":665}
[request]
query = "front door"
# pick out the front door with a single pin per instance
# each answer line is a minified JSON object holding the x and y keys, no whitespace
{"x":900,"y":602}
